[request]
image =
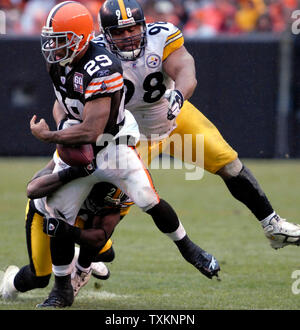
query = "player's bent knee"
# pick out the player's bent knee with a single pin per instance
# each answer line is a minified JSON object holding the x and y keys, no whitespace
{"x":26,"y":280}
{"x":107,"y":256}
{"x":231,"y":170}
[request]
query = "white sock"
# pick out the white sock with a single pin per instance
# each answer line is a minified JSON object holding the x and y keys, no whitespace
{"x":266,"y":221}
{"x":62,"y":270}
{"x":178,"y":234}
{"x":86,"y":270}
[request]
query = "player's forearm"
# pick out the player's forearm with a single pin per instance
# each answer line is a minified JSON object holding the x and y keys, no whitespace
{"x":77,"y":134}
{"x":185,"y":78}
{"x":58,"y":113}
{"x":180,"y":66}
{"x":187,"y":85}
{"x":47,"y":184}
{"x":43,"y":186}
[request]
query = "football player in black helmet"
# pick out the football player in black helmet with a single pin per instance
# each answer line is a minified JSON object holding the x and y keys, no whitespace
{"x":124,"y":27}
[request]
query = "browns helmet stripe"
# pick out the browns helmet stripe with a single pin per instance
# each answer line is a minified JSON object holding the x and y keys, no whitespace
{"x":54,"y":11}
{"x":123,"y":9}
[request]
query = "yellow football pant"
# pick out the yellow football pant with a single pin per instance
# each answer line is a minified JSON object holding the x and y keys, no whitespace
{"x":190,"y":123}
{"x":38,"y":243}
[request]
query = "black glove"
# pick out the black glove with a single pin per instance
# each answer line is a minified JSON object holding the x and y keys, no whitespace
{"x":54,"y":227}
{"x":75,"y":172}
{"x":82,"y":171}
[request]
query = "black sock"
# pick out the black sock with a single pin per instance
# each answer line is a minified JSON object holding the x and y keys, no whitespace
{"x":246,"y":189}
{"x":86,"y":256}
{"x":164,"y":217}
{"x":62,"y":251}
{"x":188,"y":248}
{"x":62,"y":282}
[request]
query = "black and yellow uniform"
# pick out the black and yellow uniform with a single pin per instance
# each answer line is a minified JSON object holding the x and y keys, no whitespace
{"x":38,"y":272}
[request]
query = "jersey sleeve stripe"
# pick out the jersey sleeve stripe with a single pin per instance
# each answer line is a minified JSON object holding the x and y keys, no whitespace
{"x":111,"y":89}
{"x":178,"y":32}
{"x":93,"y":83}
{"x":174,"y":38}
{"x":172,"y":46}
{"x":104,"y":82}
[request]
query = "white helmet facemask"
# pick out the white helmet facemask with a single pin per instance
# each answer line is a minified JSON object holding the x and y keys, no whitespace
{"x":52,"y":42}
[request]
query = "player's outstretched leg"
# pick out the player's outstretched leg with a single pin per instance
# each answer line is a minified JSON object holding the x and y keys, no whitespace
{"x":245,"y":188}
{"x":167,"y":222}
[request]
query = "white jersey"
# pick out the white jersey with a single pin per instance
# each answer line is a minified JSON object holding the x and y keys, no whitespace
{"x":146,"y":82}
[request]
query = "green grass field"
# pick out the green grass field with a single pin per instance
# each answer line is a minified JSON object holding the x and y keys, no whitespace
{"x":148,"y":272}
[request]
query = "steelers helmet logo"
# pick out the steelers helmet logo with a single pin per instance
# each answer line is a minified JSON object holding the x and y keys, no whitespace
{"x":153,"y":61}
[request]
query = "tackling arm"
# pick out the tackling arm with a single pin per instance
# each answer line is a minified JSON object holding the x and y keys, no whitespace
{"x":45,"y":182}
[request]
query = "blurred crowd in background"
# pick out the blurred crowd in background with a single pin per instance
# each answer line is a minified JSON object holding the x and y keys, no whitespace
{"x":196,"y":18}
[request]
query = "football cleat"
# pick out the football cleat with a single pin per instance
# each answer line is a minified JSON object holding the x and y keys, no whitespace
{"x":206,"y":263}
{"x":281,"y":232}
{"x":100,"y":270}
{"x":60,"y":298}
{"x":202,"y":260}
{"x":79,"y":279}
{"x":7,"y":288}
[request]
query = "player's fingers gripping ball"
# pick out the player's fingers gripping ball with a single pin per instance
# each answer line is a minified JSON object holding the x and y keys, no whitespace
{"x":176,"y":100}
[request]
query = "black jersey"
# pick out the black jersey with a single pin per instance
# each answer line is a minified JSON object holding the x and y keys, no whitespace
{"x":98,"y":74}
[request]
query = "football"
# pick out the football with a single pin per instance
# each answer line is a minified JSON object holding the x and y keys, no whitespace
{"x":80,"y":155}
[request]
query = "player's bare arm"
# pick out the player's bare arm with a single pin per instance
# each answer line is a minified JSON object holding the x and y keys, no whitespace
{"x":95,"y":117}
{"x":45,"y":182}
{"x":180,"y":66}
{"x":45,"y":170}
{"x":42,"y":179}
{"x":58,"y":112}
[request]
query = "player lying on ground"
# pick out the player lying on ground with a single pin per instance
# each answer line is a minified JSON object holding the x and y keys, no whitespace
{"x":159,"y":74}
{"x":88,"y":84}
{"x":102,"y":209}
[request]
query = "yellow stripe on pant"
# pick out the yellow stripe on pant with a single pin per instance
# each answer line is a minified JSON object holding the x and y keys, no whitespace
{"x":38,"y":243}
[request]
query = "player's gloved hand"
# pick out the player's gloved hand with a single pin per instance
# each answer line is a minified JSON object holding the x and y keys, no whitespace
{"x":75,"y":172}
{"x":55,"y":227}
{"x":83,"y":171}
{"x":176,"y":100}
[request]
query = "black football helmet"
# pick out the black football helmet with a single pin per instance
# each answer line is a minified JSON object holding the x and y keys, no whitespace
{"x":118,"y":14}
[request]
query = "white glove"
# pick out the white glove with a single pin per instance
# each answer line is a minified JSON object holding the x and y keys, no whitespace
{"x":176,"y":100}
